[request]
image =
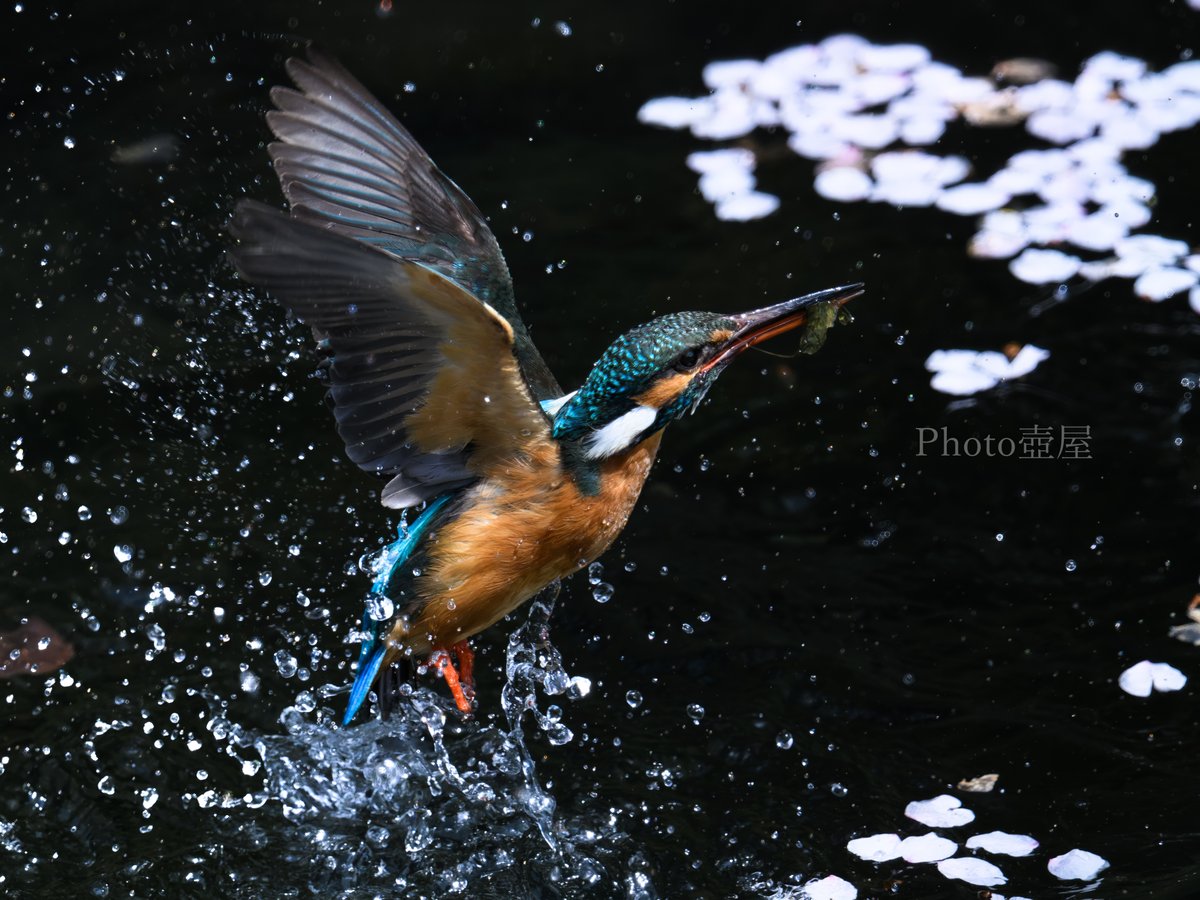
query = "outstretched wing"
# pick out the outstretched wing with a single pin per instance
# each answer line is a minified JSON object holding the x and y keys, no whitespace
{"x":423,"y":375}
{"x":345,"y":163}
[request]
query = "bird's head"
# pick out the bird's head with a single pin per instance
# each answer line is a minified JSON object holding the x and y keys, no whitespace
{"x":654,"y":373}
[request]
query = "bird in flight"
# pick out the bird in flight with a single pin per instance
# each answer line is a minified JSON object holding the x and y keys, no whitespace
{"x":435,"y":383}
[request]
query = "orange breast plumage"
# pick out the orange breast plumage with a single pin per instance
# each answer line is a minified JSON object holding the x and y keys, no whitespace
{"x":524,"y":526}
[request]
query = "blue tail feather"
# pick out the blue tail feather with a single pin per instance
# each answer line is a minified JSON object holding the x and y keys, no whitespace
{"x":394,"y":555}
{"x":367,"y":671}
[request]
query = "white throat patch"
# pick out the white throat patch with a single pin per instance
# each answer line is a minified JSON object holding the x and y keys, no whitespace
{"x":621,"y":432}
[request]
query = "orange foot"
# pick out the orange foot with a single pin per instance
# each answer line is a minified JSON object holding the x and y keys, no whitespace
{"x":462,"y":687}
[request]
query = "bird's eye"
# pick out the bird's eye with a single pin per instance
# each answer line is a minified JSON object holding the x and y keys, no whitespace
{"x":687,"y":360}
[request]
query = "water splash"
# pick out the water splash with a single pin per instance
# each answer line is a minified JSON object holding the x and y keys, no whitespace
{"x":425,"y":795}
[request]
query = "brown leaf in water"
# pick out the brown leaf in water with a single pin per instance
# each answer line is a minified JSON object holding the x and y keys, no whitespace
{"x":33,"y":648}
{"x":979,"y":785}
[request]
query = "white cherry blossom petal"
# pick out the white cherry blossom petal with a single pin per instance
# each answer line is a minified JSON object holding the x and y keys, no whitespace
{"x":722,"y":183}
{"x":972,"y":199}
{"x":747,"y":206}
{"x":1003,"y":842}
{"x":1044,"y":266}
{"x":1077,"y":865}
{"x":675,"y":112}
{"x":927,"y":848}
{"x":944,"y":810}
{"x":973,"y":871}
{"x":705,"y":161}
{"x":730,"y":73}
{"x":843,"y":183}
{"x":1163,"y":282}
{"x":876,"y":847}
{"x":831,"y":887}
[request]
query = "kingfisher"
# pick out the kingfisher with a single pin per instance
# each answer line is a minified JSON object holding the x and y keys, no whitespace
{"x":435,"y":383}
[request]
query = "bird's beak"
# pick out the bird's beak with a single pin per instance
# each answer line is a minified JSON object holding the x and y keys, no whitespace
{"x":758,"y":325}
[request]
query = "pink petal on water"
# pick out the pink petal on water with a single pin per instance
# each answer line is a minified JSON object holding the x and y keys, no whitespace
{"x":973,"y":871}
{"x":876,"y":848}
{"x":743,"y":207}
{"x":926,"y":848}
{"x":1077,"y":865}
{"x":1003,"y":842}
{"x":675,"y":112}
{"x":843,"y":183}
{"x":829,"y":888}
{"x":1164,"y":281}
{"x":972,"y":199}
{"x":942,"y":811}
{"x":1044,"y":266}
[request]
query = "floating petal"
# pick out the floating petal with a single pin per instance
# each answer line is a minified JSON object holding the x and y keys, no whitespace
{"x":1044,"y":266}
{"x":894,"y":58}
{"x":972,"y":199}
{"x":675,"y":112}
{"x":926,"y":848}
{"x":705,"y":161}
{"x":1162,"y":282}
{"x":944,"y":810}
{"x":730,"y":73}
{"x":1144,"y":677}
{"x":829,"y":888}
{"x":1077,"y":865}
{"x":743,"y":207}
{"x":1003,"y":842}
{"x":844,"y":183}
{"x":723,"y":183}
{"x":876,"y":848}
{"x":972,"y":871}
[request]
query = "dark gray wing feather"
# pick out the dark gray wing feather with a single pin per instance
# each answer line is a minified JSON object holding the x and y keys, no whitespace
{"x":346,"y":163}
{"x":383,"y":343}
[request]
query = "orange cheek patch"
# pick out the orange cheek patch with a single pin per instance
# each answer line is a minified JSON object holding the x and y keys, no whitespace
{"x":720,"y":336}
{"x":664,"y":390}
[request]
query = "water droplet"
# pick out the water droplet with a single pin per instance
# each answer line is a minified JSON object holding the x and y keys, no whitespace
{"x":695,"y":712}
{"x":563,"y":29}
{"x":1071,"y":565}
{"x":28,"y":515}
{"x":602,"y":592}
{"x":69,"y":143}
{"x":784,"y":740}
{"x":305,"y":702}
{"x":118,"y":515}
{"x":106,"y":785}
{"x":634,"y":699}
{"x":380,"y":607}
{"x":264,"y":577}
{"x":84,"y":513}
{"x":286,"y":663}
{"x":123,"y":553}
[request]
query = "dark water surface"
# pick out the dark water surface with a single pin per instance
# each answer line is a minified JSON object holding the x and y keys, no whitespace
{"x":811,"y":625}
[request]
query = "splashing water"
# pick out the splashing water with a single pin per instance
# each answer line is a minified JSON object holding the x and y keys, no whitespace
{"x":422,"y":795}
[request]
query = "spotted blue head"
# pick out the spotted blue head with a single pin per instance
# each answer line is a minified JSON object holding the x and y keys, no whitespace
{"x":656,"y":372}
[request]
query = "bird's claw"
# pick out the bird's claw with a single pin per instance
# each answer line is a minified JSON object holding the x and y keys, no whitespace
{"x":461,"y":680}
